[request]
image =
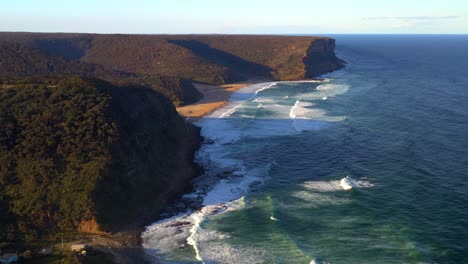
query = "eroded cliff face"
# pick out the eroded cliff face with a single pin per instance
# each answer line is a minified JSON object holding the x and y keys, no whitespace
{"x":91,"y":227}
{"x":321,"y":58}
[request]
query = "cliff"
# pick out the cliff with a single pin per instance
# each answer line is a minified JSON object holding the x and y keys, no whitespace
{"x":82,"y":154}
{"x":78,"y":153}
{"x":320,"y":58}
{"x":150,"y":59}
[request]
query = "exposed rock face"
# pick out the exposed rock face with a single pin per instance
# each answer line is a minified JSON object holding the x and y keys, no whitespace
{"x":321,"y":58}
{"x":90,"y":227}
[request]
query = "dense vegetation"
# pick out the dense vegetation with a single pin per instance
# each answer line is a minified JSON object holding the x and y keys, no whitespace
{"x":74,"y":150}
{"x":19,"y":60}
{"x":152,"y":59}
{"x":89,"y":140}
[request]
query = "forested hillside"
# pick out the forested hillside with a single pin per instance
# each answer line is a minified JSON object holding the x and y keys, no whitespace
{"x":18,"y":60}
{"x":90,"y":140}
{"x":153,"y":59}
{"x":82,"y":154}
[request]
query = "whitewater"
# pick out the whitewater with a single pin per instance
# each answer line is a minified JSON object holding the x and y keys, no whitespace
{"x":365,"y":165}
{"x":227,"y":180}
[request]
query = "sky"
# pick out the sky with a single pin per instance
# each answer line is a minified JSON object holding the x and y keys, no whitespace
{"x":236,"y":16}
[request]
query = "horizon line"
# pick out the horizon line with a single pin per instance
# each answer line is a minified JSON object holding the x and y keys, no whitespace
{"x":234,"y":34}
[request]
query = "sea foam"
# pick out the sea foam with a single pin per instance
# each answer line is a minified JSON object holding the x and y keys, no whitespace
{"x":227,"y":180}
{"x":265,"y":87}
{"x":299,"y":109}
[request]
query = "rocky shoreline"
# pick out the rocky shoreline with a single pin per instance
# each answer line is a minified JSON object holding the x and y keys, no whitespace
{"x":125,"y":245}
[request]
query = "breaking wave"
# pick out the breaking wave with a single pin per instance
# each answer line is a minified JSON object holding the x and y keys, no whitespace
{"x":226,"y":180}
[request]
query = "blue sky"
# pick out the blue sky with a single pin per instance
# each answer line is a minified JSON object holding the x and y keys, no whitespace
{"x":236,"y":17}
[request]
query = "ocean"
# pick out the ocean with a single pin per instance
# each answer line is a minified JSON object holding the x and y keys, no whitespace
{"x":368,"y":165}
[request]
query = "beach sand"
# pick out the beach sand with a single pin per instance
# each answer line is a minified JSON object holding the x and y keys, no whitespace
{"x":214,"y":97}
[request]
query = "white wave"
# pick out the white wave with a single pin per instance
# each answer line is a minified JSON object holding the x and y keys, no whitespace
{"x":317,"y":194}
{"x":237,"y":98}
{"x":264,"y":100}
{"x":270,"y":85}
{"x":226,"y":180}
{"x":274,"y":218}
{"x":303,"y":110}
{"x":364,"y":184}
{"x":326,"y":90}
{"x":309,"y":81}
{"x":336,"y":185}
{"x":322,"y":186}
{"x":165,"y":237}
{"x":348,"y":183}
{"x":230,"y":111}
{"x":309,"y":119}
{"x":192,"y":239}
{"x":325,"y":87}
{"x":299,"y":109}
{"x":333,"y":89}
{"x":324,"y":98}
{"x":250,"y":92}
{"x":225,"y":195}
{"x":208,"y":244}
{"x":318,"y":261}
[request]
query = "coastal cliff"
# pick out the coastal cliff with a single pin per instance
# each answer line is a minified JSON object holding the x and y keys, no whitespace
{"x":168,"y":63}
{"x":320,"y":58}
{"x":80,"y":154}
{"x":90,"y":141}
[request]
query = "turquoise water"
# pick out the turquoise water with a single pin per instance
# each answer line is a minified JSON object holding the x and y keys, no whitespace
{"x":395,"y":120}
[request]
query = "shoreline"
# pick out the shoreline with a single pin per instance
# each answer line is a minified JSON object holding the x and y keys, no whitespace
{"x":178,"y":212}
{"x":186,"y":212}
{"x":179,"y":216}
{"x":214,"y":98}
{"x":178,"y":225}
{"x":127,"y":246}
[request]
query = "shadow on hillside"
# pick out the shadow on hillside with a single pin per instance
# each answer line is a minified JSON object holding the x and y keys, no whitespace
{"x":235,"y":63}
{"x":71,"y":49}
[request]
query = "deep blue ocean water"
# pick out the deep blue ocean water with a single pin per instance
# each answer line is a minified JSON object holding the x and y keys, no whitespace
{"x":395,"y":121}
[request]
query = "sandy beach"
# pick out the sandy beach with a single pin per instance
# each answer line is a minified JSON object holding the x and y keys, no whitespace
{"x":214,"y":97}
